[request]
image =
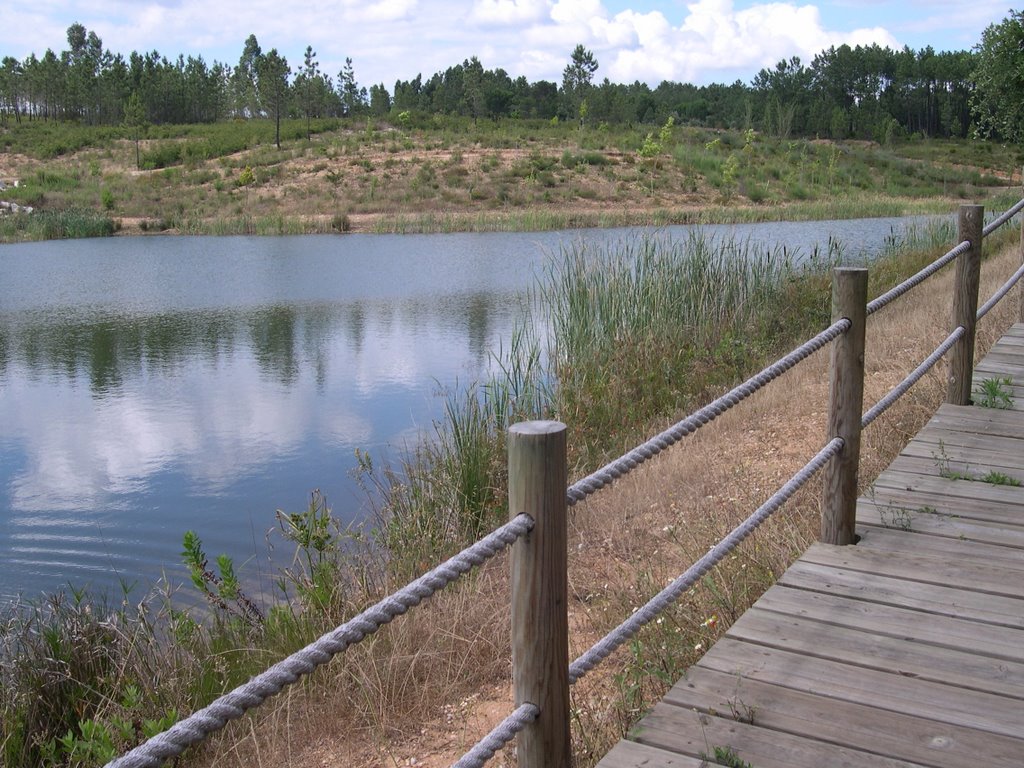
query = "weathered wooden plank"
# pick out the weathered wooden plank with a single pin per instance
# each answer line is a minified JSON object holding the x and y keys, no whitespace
{"x":939,"y":525}
{"x":692,"y":733}
{"x":988,"y":421}
{"x":941,"y":463}
{"x":934,"y":435}
{"x":919,"y":501}
{"x":922,"y":698}
{"x":853,"y":725}
{"x":897,"y":542}
{"x":906,"y":623}
{"x":888,"y":590}
{"x":977,"y":576}
{"x":920,"y":454}
{"x":629,"y":754}
{"x":868,"y":649}
{"x":961,"y":494}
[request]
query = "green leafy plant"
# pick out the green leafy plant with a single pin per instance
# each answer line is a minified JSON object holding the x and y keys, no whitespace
{"x":994,"y":393}
{"x":221,"y":590}
{"x":725,"y":756}
{"x":999,"y":478}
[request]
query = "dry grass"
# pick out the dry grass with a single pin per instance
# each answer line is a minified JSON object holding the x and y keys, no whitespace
{"x":422,"y":692}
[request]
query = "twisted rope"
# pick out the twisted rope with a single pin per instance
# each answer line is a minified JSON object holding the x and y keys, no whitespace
{"x":502,"y":734}
{"x":912,"y":282}
{"x":1001,"y":293}
{"x":627,"y":629}
{"x":233,"y":705}
{"x":997,"y":223}
{"x":622,"y":466}
{"x":901,"y":389}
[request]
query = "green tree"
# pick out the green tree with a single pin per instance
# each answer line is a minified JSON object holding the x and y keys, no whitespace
{"x":243,"y":79}
{"x":353,"y":99}
{"x":135,"y":119}
{"x":998,"y":100}
{"x":577,"y":77}
{"x":308,"y":82}
{"x":272,"y":73}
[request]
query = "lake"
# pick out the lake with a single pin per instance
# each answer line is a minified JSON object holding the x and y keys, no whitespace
{"x":153,"y":385}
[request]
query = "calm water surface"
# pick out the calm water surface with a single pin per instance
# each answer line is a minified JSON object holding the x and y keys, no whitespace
{"x":154,"y":385}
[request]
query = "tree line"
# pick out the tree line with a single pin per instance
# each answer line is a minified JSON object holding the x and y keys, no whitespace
{"x":862,"y":92}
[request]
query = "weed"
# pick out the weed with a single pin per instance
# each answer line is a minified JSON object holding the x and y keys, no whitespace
{"x":994,"y":393}
{"x":725,"y":756}
{"x":895,"y":517}
{"x":999,"y":478}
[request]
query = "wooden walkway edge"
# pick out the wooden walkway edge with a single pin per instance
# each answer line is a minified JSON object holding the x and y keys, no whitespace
{"x":904,"y":650}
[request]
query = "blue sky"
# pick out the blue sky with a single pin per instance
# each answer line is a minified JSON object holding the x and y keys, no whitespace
{"x":700,"y":41}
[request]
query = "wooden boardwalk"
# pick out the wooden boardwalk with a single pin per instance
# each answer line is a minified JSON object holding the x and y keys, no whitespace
{"x":905,"y":650}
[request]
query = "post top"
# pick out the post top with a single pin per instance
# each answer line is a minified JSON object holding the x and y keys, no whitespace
{"x":537,"y":427}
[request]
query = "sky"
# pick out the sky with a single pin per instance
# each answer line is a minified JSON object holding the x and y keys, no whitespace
{"x":698,"y":42}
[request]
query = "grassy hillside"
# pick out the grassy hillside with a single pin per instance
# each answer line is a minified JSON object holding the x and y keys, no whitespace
{"x":445,"y":174}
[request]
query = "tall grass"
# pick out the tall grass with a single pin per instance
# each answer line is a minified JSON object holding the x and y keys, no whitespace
{"x":644,"y":329}
{"x":56,"y":225}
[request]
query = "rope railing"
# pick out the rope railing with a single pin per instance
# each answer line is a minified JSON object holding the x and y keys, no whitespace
{"x":915,"y":280}
{"x":1004,"y":289}
{"x":630,"y":461}
{"x":502,"y":734}
{"x":660,"y":602}
{"x":915,"y":376}
{"x":233,"y":705}
{"x":1005,"y":217}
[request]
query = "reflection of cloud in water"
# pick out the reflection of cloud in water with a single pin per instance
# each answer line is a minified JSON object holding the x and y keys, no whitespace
{"x":216,"y":398}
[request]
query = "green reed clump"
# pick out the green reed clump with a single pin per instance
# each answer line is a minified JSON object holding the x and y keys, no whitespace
{"x":642,"y":329}
{"x":68,"y":223}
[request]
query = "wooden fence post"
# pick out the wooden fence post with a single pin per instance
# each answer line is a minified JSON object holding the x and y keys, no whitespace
{"x":845,"y":401}
{"x":965,"y":304}
{"x":537,"y":481}
{"x":1020,"y":315}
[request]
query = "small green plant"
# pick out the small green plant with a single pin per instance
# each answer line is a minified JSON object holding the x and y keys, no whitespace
{"x":222,"y":591}
{"x":993,"y":393}
{"x":999,"y":478}
{"x":246,"y":177}
{"x":895,"y":517}
{"x":942,"y":461}
{"x":725,"y":756}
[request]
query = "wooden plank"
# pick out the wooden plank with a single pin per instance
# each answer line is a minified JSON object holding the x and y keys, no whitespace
{"x":974,"y":464}
{"x":922,"y":698}
{"x":989,"y":421}
{"x":629,"y":754}
{"x":919,"y":453}
{"x":962,"y":669}
{"x":1005,"y":502}
{"x":921,"y":502}
{"x":968,"y":440}
{"x":896,"y":542}
{"x":906,"y":623}
{"x":887,"y":590}
{"x":691,"y":733}
{"x":978,"y":577}
{"x":852,"y":725}
{"x":941,"y":525}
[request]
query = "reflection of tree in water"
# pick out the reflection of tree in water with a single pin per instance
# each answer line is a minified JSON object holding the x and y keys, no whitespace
{"x":479,"y":310}
{"x":5,"y":350}
{"x":111,"y":349}
{"x":272,"y":334}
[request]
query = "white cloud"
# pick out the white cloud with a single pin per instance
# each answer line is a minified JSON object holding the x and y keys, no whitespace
{"x":702,"y":41}
{"x":508,"y":12}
